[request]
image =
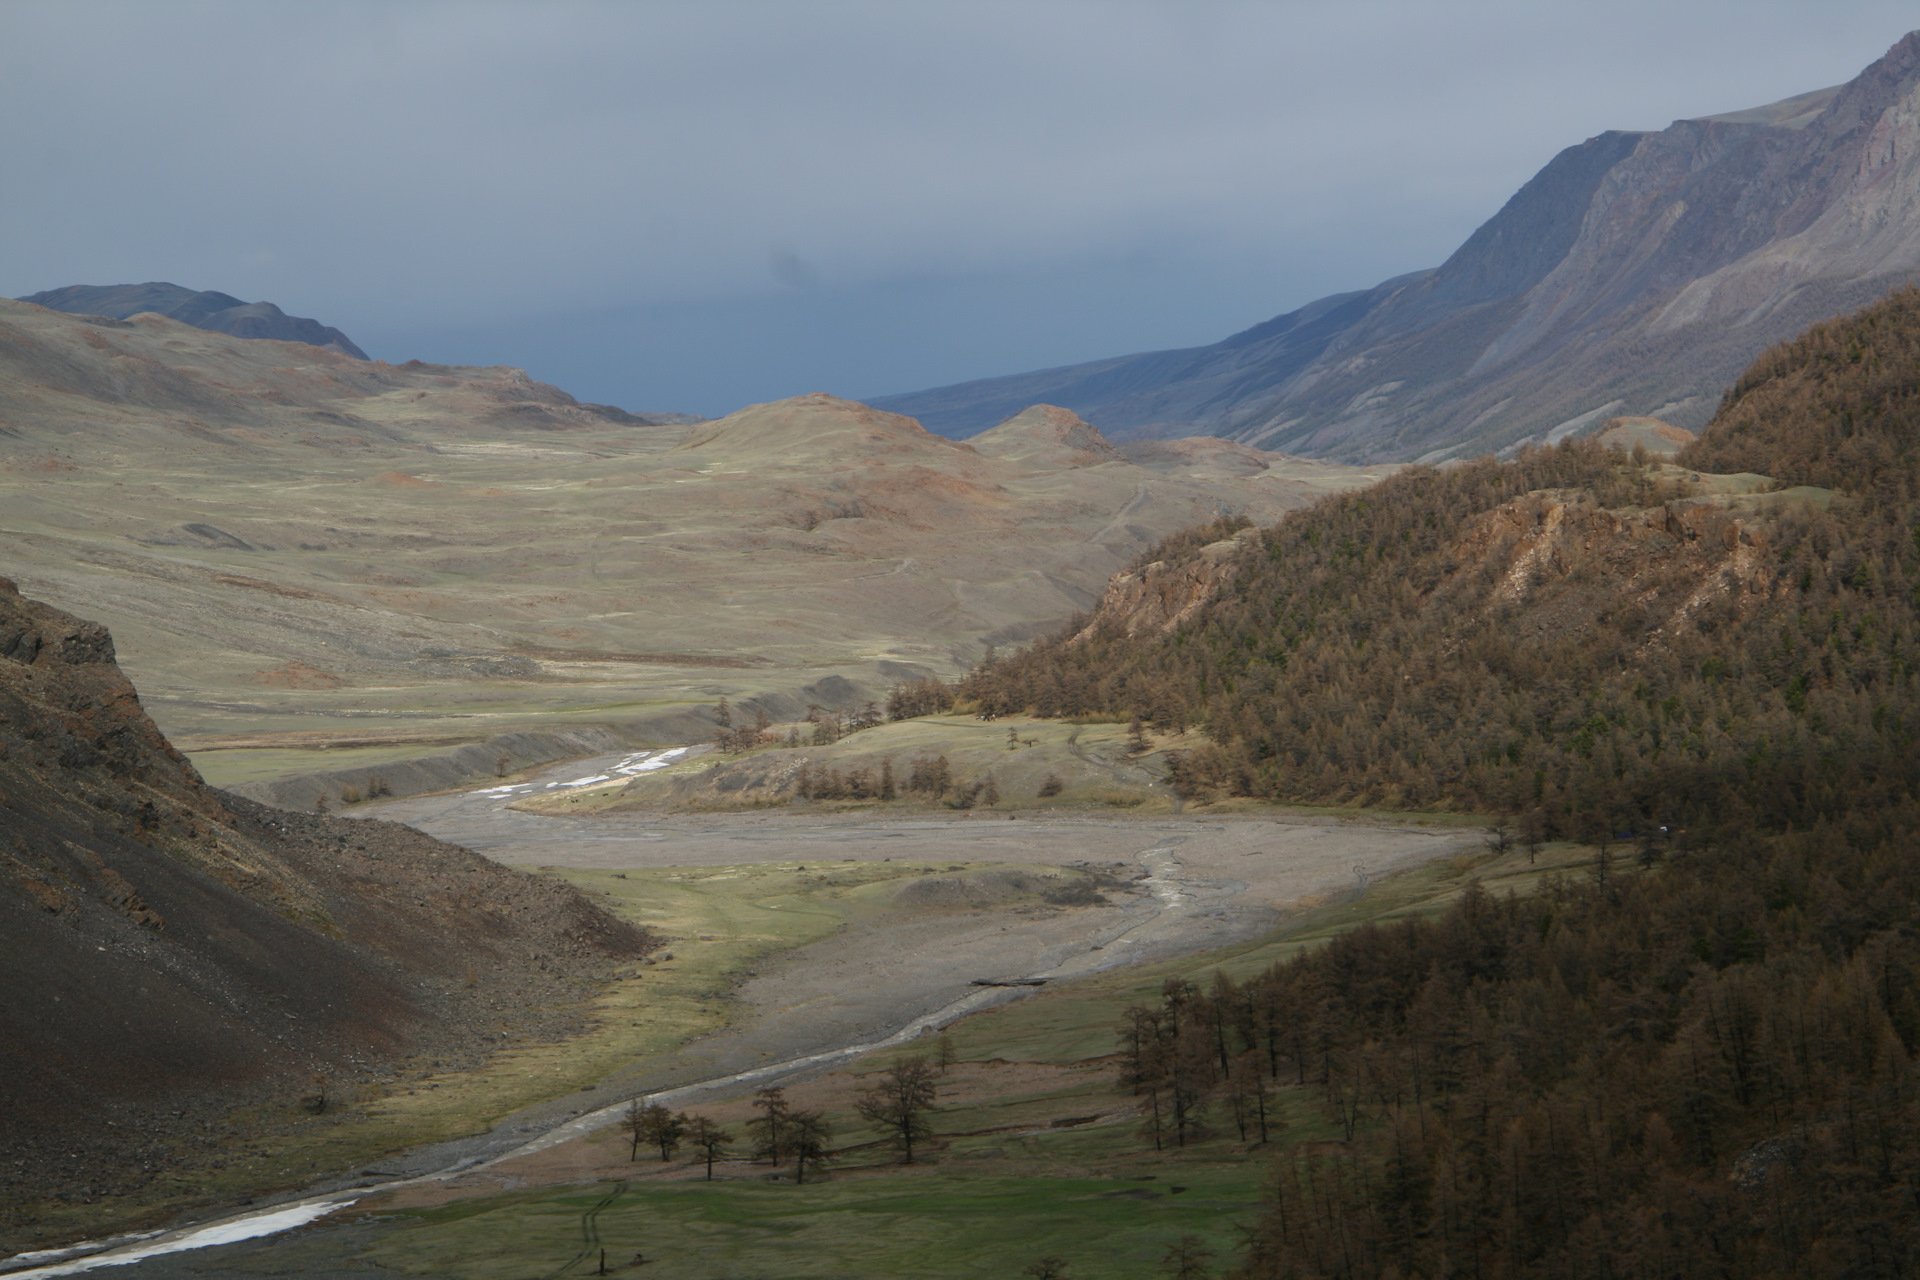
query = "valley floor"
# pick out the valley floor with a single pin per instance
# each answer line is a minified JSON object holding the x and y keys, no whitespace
{"x":1208,"y":881}
{"x":811,"y":937}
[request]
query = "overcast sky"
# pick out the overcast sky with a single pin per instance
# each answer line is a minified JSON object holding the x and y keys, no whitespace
{"x":699,"y":205}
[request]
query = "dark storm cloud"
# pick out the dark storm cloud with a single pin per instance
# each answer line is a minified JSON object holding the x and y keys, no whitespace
{"x":418,"y":171}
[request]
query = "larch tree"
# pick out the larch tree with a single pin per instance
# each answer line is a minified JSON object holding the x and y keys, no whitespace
{"x":770,"y":1129}
{"x":709,"y":1139}
{"x":808,"y":1133}
{"x":901,"y":1103}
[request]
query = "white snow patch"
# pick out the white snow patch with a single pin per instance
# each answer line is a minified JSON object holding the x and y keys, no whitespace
{"x":249,"y":1227}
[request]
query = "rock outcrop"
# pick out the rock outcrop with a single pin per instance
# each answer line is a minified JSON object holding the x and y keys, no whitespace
{"x":1158,"y":597}
{"x":1538,"y":540}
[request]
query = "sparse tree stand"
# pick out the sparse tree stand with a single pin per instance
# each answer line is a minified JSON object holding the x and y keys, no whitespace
{"x":808,"y":1133}
{"x":901,"y":1102}
{"x":1051,"y":1267}
{"x":709,"y":1139}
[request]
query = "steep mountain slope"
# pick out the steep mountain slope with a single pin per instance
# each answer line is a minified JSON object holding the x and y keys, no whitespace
{"x":1637,"y":273}
{"x":219,"y":312}
{"x":1598,"y":644}
{"x":169,"y":953}
{"x":285,"y":540}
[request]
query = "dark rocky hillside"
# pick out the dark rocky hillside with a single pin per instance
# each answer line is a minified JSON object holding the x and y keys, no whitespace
{"x":169,"y":952}
{"x":220,"y":312}
{"x":1637,"y":273}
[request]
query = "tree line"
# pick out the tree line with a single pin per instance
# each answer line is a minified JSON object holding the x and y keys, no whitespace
{"x":907,"y":700}
{"x":901,"y":1104}
{"x":736,"y":736}
{"x":928,"y":777}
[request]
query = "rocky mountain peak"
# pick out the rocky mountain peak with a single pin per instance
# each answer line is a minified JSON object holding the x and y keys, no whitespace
{"x":1635,"y":275}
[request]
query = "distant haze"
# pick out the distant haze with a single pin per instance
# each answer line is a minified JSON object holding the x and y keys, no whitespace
{"x":696,"y":206}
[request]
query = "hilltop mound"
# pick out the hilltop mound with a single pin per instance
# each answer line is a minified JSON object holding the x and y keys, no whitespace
{"x":1651,"y":434}
{"x":218,"y":312}
{"x":169,"y":952}
{"x":1048,"y":435}
{"x":819,"y":427}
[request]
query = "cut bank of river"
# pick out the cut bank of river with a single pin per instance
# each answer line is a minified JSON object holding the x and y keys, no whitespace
{"x":1207,"y":881}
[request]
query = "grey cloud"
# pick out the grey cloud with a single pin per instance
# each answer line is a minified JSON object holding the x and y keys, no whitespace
{"x":790,"y":269}
{"x":429,"y":168}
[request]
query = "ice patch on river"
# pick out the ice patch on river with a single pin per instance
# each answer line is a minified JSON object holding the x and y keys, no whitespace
{"x":231,"y":1231}
{"x":627,"y":767}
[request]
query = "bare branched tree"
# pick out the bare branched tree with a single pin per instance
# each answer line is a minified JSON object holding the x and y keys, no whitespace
{"x":902,"y":1101}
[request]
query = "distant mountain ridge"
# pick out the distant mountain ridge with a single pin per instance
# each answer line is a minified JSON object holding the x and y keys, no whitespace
{"x":1636,"y":274}
{"x":220,"y":312}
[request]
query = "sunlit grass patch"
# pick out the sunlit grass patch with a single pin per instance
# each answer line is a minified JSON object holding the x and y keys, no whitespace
{"x":941,"y":1223}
